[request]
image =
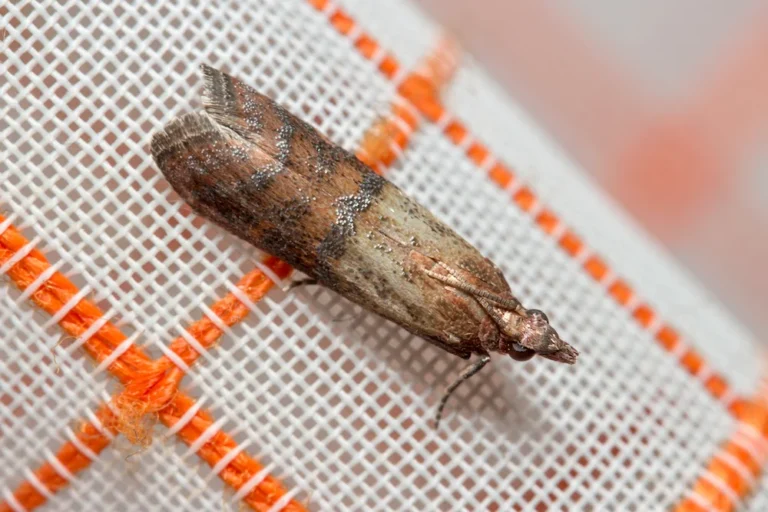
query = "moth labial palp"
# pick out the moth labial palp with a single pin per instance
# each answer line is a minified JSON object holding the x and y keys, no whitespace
{"x":271,"y":179}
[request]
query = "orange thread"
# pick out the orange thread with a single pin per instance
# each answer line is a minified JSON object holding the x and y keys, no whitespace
{"x":668,"y":338}
{"x":318,"y":4}
{"x":389,"y":67}
{"x":692,"y":361}
{"x":548,"y":221}
{"x":456,"y":132}
{"x":70,"y":456}
{"x":644,"y":315}
{"x":525,"y":199}
{"x":596,"y":268}
{"x":367,"y":46}
{"x":478,"y":153}
{"x":621,"y":291}
{"x":501,"y":176}
{"x":419,"y":90}
{"x":571,"y":244}
{"x":732,"y":472}
{"x":150,"y":386}
{"x":717,"y":386}
{"x":342,"y":22}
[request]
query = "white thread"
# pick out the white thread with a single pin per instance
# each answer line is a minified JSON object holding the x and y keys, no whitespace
{"x":750,"y":448}
{"x":632,"y":302}
{"x":378,"y":56}
{"x":680,"y":349}
{"x":363,"y":155}
{"x":728,"y":398}
{"x":7,"y":223}
{"x":514,"y":186}
{"x":584,"y":253}
{"x":655,"y":326}
{"x":443,"y":121}
{"x":99,"y":426}
{"x":93,"y":329}
{"x":608,"y":278}
{"x":66,"y":308}
{"x":404,"y":127}
{"x":489,"y":162}
{"x":736,"y":465}
{"x":241,"y":296}
{"x":81,"y":447}
{"x":193,"y":342}
{"x":284,"y":500}
{"x":354,"y":33}
{"x":204,"y":437}
{"x":756,"y":437}
{"x":106,"y":398}
{"x":215,"y":319}
{"x":11,"y":500}
{"x":400,"y":75}
{"x":19,"y":255}
{"x":37,"y":484}
{"x":252,"y":482}
{"x":226,"y":459}
{"x":63,"y":472}
{"x":116,"y":353}
{"x":403,"y":102}
{"x":721,"y":485}
{"x":330,"y":9}
{"x":174,"y":358}
{"x":269,"y":273}
{"x":467,"y":141}
{"x":185,"y":418}
{"x":42,"y":278}
{"x":396,"y":150}
{"x":704,"y":373}
{"x":700,"y":500}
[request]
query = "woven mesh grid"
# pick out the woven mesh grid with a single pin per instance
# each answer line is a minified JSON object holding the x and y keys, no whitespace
{"x":336,"y":402}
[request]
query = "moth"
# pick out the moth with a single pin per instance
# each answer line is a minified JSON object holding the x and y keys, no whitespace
{"x":247,"y":164}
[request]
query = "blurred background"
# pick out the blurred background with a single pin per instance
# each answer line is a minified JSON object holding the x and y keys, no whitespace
{"x":664,"y":103}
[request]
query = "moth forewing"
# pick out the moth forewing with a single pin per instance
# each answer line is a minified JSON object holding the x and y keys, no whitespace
{"x":271,"y":179}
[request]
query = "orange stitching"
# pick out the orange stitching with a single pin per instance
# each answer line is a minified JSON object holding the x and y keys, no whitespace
{"x":151,"y":386}
{"x":731,"y":473}
{"x":417,"y":90}
{"x":525,"y":199}
{"x":548,"y":221}
{"x":71,"y":457}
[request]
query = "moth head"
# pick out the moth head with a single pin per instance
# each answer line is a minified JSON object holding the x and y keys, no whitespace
{"x":537,"y":336}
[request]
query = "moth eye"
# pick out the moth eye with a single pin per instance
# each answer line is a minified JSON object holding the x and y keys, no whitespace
{"x":538,"y":313}
{"x":521,"y":353}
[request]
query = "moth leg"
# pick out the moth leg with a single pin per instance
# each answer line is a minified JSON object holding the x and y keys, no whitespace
{"x":460,"y":284}
{"x":302,"y":282}
{"x":468,"y":372}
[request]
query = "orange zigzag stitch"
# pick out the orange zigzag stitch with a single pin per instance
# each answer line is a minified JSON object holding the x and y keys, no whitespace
{"x":417,"y":91}
{"x":54,"y":294}
{"x":153,"y":388}
{"x":733,"y":471}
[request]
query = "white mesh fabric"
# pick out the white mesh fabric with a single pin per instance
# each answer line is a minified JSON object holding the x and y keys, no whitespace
{"x":336,"y":402}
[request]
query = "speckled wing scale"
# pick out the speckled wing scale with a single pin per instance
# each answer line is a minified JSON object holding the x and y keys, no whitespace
{"x":268,"y":177}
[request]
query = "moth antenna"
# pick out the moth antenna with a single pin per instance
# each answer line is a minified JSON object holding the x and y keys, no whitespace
{"x":468,"y":372}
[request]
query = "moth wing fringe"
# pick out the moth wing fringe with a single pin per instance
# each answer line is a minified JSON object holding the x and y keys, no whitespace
{"x":180,"y":130}
{"x":218,"y":94}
